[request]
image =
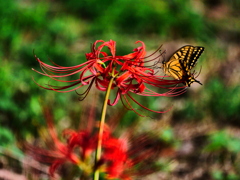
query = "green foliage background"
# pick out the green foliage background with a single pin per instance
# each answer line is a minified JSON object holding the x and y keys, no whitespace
{"x":63,"y":32}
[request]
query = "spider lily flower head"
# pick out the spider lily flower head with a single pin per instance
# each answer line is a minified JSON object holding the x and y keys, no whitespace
{"x":121,"y":158}
{"x":129,"y":73}
{"x":76,"y":150}
{"x":79,"y":149}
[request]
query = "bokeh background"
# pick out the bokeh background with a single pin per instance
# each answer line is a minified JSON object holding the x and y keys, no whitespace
{"x":203,"y":125}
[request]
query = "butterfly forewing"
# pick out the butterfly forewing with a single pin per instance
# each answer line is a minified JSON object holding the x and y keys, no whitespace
{"x":193,"y":53}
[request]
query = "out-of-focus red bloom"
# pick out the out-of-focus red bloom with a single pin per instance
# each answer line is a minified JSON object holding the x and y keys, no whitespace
{"x":131,"y":75}
{"x":61,"y":153}
{"x":116,"y":157}
{"x":80,"y":147}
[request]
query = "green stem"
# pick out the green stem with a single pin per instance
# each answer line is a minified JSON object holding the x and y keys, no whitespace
{"x":101,"y":126}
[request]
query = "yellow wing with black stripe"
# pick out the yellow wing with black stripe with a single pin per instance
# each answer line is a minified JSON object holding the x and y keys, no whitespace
{"x":181,"y":62}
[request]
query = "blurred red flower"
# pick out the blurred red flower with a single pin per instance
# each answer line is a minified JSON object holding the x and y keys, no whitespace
{"x":80,"y":147}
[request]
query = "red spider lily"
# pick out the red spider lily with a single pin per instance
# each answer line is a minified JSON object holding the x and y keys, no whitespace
{"x":129,"y":72}
{"x":80,"y":147}
{"x":121,"y":158}
{"x":115,"y":155}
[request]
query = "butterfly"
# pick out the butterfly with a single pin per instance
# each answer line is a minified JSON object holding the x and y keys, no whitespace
{"x":181,"y":62}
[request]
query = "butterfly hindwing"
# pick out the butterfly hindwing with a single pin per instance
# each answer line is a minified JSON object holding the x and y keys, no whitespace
{"x":173,"y":68}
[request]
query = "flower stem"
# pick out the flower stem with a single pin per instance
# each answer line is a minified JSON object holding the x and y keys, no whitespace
{"x":101,"y":127}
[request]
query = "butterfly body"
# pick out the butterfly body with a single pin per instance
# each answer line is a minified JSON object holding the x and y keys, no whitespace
{"x":181,"y":62}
